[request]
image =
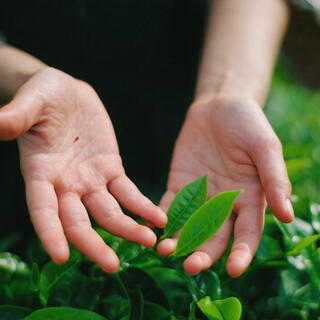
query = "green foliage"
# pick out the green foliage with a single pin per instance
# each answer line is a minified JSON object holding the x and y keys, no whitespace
{"x":185,"y":203}
{"x":13,"y":312}
{"x":227,"y":309}
{"x":63,"y":313}
{"x":283,"y":281}
{"x":205,"y":222}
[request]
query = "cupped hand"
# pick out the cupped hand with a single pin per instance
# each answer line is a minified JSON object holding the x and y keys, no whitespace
{"x":71,"y":165}
{"x":231,"y":141}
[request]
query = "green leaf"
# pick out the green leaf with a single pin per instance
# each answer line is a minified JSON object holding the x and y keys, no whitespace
{"x":209,"y":284}
{"x":50,"y":275}
{"x":13,"y":312}
{"x":63,"y":313}
{"x":192,"y":313}
{"x":226,"y":309}
{"x":35,"y":277}
{"x":186,"y":202}
{"x":205,"y":222}
{"x":304,"y":243}
{"x":154,"y":311}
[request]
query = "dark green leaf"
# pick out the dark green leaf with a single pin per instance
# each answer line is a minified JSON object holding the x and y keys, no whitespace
{"x":192,"y":313}
{"x":35,"y":277}
{"x":13,"y":312}
{"x":185,"y":203}
{"x":209,"y":284}
{"x":226,"y":309}
{"x":50,"y":275}
{"x":64,"y":313}
{"x":205,"y":222}
{"x":153,"y":311}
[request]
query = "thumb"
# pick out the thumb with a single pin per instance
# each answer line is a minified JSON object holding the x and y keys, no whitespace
{"x":272,"y":170}
{"x":21,"y":113}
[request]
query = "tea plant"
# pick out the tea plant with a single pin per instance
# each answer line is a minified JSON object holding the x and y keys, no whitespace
{"x":135,"y":292}
{"x":283,"y":281}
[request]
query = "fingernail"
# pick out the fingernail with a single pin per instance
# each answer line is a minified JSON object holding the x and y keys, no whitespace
{"x":290,"y":208}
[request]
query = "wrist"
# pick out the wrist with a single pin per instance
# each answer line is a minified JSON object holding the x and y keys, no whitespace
{"x":228,"y":85}
{"x":16,"y":67}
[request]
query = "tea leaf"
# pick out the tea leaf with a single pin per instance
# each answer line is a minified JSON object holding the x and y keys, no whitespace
{"x":64,"y":313}
{"x":226,"y":309}
{"x":205,"y":222}
{"x":304,"y":243}
{"x":13,"y":312}
{"x":185,"y":203}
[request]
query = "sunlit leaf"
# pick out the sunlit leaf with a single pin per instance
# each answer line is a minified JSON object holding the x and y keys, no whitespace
{"x":304,"y":243}
{"x":205,"y":222}
{"x":226,"y":309}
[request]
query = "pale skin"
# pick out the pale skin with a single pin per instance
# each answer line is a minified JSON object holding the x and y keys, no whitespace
{"x":71,"y":164}
{"x":227,"y":136}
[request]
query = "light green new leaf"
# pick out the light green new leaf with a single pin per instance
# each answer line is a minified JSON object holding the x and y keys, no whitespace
{"x":186,"y":202}
{"x":304,"y":243}
{"x":63,"y":313}
{"x":226,"y":309}
{"x":205,"y":222}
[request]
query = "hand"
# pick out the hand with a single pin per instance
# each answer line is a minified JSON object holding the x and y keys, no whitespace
{"x":232,"y":141}
{"x":71,"y":163}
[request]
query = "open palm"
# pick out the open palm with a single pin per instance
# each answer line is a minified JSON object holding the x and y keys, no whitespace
{"x":232,"y":142}
{"x":71,"y":164}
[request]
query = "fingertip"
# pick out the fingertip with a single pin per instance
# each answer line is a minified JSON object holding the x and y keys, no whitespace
{"x":61,"y":254}
{"x":290,"y":212}
{"x":281,"y":206}
{"x":237,"y":263}
{"x":149,"y":238}
{"x":197,"y":262}
{"x":111,"y":263}
{"x":166,"y":247}
{"x":162,"y":218}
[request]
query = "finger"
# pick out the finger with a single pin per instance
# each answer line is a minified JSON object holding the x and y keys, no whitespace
{"x":78,"y":230}
{"x":20,"y":114}
{"x":166,"y":200}
{"x":211,"y":251}
{"x":274,"y":178}
{"x":247,"y":234}
{"x":168,"y":246}
{"x":125,"y":191}
{"x":107,"y":212}
{"x":43,"y":208}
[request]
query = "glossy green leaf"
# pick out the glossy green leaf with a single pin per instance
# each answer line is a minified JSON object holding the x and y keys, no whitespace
{"x":13,"y":312}
{"x":208,"y":284}
{"x":205,"y":222}
{"x":50,"y":275}
{"x":304,"y":243}
{"x":63,"y":313}
{"x":186,"y":202}
{"x":226,"y":309}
